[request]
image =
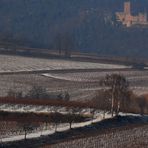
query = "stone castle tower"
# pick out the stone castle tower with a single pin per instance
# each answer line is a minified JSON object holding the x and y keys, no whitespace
{"x":127,"y":7}
{"x":127,"y":19}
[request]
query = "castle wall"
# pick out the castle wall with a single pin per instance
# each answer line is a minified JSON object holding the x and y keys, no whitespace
{"x":127,"y":19}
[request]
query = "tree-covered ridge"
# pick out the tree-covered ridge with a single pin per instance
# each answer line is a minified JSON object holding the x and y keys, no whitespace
{"x":90,"y":23}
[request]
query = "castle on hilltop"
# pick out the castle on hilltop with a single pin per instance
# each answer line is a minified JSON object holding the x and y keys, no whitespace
{"x":127,"y":19}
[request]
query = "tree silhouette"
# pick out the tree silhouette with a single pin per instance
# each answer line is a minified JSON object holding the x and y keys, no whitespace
{"x":118,"y":86}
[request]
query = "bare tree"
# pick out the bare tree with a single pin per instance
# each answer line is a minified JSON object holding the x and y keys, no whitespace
{"x":46,"y":119}
{"x":58,"y":43}
{"x":60,"y":96}
{"x":37,"y":92}
{"x":15,"y":94}
{"x":27,"y":127}
{"x":66,"y":96}
{"x":92,"y":112}
{"x":64,"y":43}
{"x":102,"y":101}
{"x":128,"y":101}
{"x":71,"y":117}
{"x":56,"y":118}
{"x":142,"y":104}
{"x":118,"y":86}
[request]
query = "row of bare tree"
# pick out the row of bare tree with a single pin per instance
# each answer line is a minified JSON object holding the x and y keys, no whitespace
{"x":28,"y":122}
{"x":38,"y":92}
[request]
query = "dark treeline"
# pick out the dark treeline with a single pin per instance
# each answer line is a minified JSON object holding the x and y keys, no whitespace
{"x":86,"y":25}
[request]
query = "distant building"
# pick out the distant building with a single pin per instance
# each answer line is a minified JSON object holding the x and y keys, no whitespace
{"x":127,"y":19}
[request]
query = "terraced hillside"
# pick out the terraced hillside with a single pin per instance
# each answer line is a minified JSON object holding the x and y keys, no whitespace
{"x":80,"y":79}
{"x":17,"y":64}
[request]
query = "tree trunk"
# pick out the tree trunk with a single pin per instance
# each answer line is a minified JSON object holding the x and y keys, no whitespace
{"x":113,"y":99}
{"x":112,"y":107}
{"x":118,"y":108}
{"x":25,"y":134}
{"x":46,"y":125}
{"x":92,"y":117}
{"x":104,"y":114}
{"x":70,"y":125}
{"x":55,"y":127}
{"x":141,"y":111}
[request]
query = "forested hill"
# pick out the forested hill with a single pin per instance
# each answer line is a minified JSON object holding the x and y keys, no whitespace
{"x":88,"y":25}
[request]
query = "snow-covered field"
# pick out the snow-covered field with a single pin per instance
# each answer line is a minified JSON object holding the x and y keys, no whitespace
{"x":131,"y":138}
{"x":80,"y":85}
{"x":96,"y":76}
{"x":138,"y":79}
{"x":17,"y":63}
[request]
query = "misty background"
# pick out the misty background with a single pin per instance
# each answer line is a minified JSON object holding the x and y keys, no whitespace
{"x":87,"y":25}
